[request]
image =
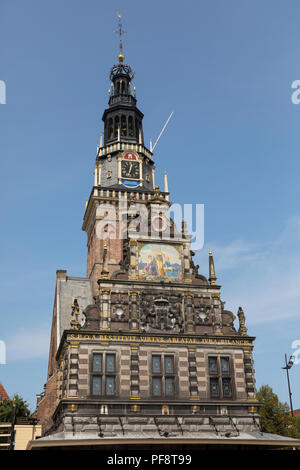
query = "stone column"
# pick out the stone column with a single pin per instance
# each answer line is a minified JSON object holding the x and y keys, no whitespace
{"x":133,"y":311}
{"x":216,"y":314}
{"x":188,"y":311}
{"x":105,"y":309}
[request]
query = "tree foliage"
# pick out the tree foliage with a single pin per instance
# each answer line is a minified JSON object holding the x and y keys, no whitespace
{"x":275,"y":417}
{"x":6,"y":409}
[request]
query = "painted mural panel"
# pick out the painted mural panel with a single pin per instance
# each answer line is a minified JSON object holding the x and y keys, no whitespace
{"x":159,"y":261}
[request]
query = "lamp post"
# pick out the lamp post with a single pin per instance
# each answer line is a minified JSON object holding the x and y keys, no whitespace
{"x":288,"y":366}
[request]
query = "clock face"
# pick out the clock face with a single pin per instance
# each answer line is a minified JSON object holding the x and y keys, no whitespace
{"x":130,"y":169}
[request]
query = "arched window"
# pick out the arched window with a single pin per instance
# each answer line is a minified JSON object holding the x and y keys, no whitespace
{"x":130,"y":126}
{"x":117,"y":124}
{"x":123,"y":126}
{"x":110,"y":129}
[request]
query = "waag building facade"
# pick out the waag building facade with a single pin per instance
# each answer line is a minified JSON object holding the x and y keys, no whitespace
{"x":143,"y":352}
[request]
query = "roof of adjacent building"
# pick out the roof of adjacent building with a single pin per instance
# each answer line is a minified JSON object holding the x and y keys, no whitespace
{"x":3,"y":394}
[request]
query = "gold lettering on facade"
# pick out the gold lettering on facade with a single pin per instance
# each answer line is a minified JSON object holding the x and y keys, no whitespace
{"x":159,"y":339}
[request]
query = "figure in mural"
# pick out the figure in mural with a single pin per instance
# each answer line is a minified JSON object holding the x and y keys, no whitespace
{"x":151,"y":267}
{"x":170,"y":270}
{"x":159,"y":258}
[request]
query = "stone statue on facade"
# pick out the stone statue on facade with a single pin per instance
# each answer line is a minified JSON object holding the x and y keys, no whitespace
{"x":242,"y":322}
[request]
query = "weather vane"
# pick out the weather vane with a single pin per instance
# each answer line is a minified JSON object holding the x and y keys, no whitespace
{"x":120,"y":31}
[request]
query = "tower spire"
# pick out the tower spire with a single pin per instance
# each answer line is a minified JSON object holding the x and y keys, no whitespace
{"x":212,"y":274}
{"x":120,"y":32}
{"x":122,"y":120}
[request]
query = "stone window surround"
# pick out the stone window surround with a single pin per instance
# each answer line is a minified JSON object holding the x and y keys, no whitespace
{"x":162,"y":374}
{"x":218,"y":355}
{"x":103,"y":373}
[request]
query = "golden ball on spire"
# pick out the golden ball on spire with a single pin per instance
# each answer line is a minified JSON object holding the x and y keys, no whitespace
{"x":121,"y":57}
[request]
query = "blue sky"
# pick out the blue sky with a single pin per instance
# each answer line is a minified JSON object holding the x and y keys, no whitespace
{"x":226,"y":68}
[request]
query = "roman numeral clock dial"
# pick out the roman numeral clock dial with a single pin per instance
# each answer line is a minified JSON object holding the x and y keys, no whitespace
{"x":130,"y":170}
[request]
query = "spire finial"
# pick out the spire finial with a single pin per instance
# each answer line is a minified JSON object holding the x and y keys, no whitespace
{"x":212,"y":273}
{"x":120,"y":32}
{"x":166,"y":185}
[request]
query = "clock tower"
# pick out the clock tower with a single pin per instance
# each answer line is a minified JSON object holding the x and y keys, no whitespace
{"x":124,"y":170}
{"x":123,"y":129}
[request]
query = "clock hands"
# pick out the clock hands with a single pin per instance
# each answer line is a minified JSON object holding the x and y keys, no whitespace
{"x":130,"y":170}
